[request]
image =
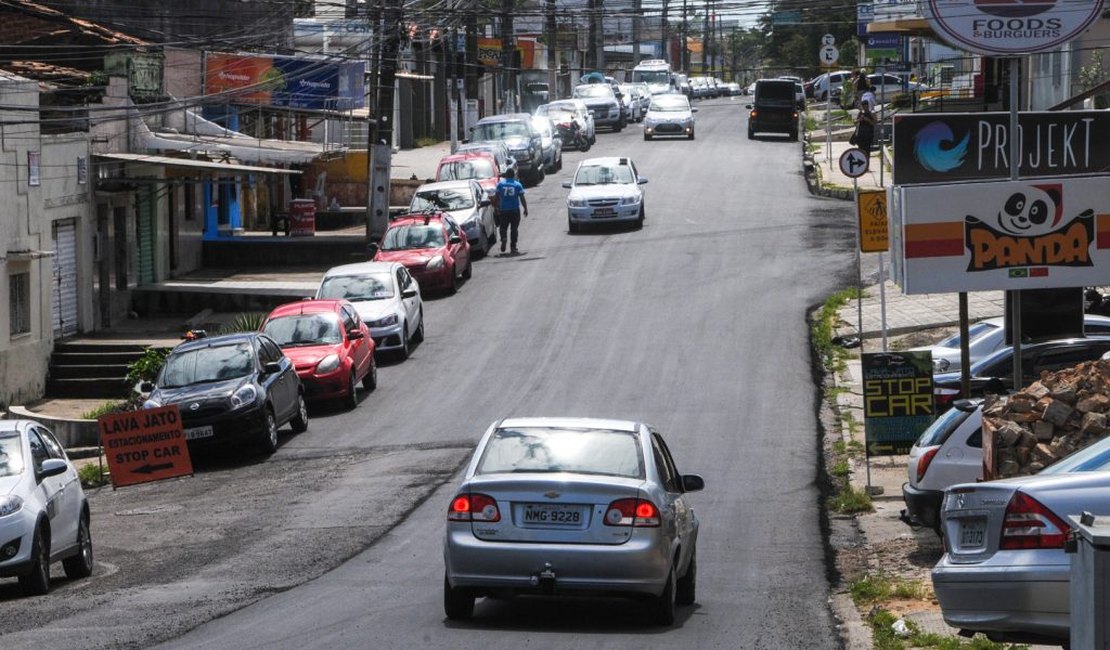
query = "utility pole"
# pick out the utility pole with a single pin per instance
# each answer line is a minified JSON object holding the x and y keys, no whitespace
{"x":665,"y":28}
{"x":552,"y":56}
{"x":471,"y":64}
{"x":705,"y":42}
{"x":637,"y":12}
{"x":600,"y":35}
{"x":591,"y":49}
{"x":380,"y":146}
{"x":685,"y":54}
{"x":508,"y":74}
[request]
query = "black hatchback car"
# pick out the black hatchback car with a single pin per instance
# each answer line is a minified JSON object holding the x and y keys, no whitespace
{"x":232,"y":390}
{"x":774,"y":108}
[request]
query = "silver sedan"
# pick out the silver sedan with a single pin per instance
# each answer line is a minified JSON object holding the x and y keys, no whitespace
{"x":1005,"y":572}
{"x":571,"y":506}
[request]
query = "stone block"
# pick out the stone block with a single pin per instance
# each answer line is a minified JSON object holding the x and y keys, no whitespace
{"x":1044,"y":454}
{"x":1094,"y":424}
{"x":1058,"y":411}
{"x":1064,"y":392}
{"x":1095,"y":403}
{"x":1044,"y":431}
{"x":1036,"y":390}
{"x":1008,"y":468}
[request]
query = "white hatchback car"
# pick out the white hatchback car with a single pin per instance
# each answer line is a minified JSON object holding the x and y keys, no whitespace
{"x":605,"y":190}
{"x":950,"y":451}
{"x":386,"y":297}
{"x":44,"y":515}
{"x":468,"y":205}
{"x":569,"y":506}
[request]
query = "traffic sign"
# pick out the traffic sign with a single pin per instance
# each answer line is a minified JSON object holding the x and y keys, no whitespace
{"x":828,"y":55}
{"x":828,"y":39}
{"x":873,"y":235}
{"x":144,"y":446}
{"x":854,"y":163}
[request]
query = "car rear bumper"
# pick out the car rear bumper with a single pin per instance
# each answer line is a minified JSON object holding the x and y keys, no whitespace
{"x":638,"y":566}
{"x":922,"y":506}
{"x":1028,"y":599}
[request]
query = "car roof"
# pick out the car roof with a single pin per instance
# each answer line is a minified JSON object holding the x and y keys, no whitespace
{"x":361,"y":268}
{"x":16,"y":425}
{"x":322,"y":306}
{"x":412,"y":217}
{"x":508,"y":117}
{"x":445,"y":185}
{"x":213,"y":341}
{"x":607,"y":160}
{"x":569,"y":423}
{"x":468,"y":155}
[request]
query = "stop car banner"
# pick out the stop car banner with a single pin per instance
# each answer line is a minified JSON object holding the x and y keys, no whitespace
{"x":1030,"y":234}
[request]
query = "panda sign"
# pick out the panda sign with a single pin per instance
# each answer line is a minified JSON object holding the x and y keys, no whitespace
{"x":1033,"y":234}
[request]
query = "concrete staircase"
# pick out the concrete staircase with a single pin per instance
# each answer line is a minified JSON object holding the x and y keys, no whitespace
{"x":91,"y":369}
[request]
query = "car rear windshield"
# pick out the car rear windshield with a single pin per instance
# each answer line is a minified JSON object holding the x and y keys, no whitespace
{"x":942,"y":427}
{"x":973,"y":332}
{"x":443,"y":200}
{"x":465,"y":170}
{"x":782,"y":91}
{"x":417,"y":236}
{"x":304,"y":330}
{"x":578,"y":451}
{"x":204,"y":365}
{"x":357,"y":288}
{"x":11,"y":454}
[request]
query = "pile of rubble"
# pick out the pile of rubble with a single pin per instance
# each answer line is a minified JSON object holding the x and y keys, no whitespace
{"x":1061,"y":413}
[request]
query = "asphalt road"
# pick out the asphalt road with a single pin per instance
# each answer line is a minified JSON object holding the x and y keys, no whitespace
{"x":695,"y":324}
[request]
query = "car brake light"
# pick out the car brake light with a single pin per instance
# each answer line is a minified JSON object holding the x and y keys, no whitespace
{"x":632,"y":512}
{"x":945,"y":396}
{"x":923,"y":462}
{"x":1028,"y":524}
{"x":474,"y":507}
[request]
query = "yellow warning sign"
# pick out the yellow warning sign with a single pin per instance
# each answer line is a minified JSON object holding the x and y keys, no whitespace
{"x":873,"y":235}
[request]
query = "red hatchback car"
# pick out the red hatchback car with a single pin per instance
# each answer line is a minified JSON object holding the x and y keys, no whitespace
{"x":431,"y":246}
{"x":329,"y":345}
{"x":479,"y":165}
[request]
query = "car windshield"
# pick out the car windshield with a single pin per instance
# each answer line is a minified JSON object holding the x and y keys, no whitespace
{"x":1095,"y":458}
{"x":673,"y":103}
{"x":558,"y":114}
{"x":578,"y":451}
{"x":357,"y":288}
{"x":405,"y":237}
{"x":465,"y":170}
{"x":603,"y":174}
{"x":594,"y":90}
{"x":443,"y":200}
{"x":652,"y":76}
{"x":499,"y":131}
{"x":304,"y":329}
{"x":204,"y":365}
{"x":11,"y":454}
{"x":543,"y":126}
{"x":973,"y":332}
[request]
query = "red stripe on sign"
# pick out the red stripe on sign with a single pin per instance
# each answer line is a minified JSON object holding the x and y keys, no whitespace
{"x":1038,"y":272}
{"x":1102,"y":227}
{"x":935,"y":248}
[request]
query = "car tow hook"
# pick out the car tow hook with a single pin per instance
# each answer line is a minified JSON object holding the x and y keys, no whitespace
{"x":545,"y":579}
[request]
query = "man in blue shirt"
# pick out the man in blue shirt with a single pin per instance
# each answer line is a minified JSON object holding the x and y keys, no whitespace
{"x":510,"y":199}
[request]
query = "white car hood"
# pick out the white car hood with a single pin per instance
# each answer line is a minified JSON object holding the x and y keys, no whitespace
{"x":372,"y":310}
{"x":464,"y":215}
{"x":613,"y":190}
{"x":8,"y":484}
{"x":668,"y":116}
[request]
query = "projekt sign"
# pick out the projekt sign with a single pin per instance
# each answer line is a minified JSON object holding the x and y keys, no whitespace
{"x":1011,"y":27}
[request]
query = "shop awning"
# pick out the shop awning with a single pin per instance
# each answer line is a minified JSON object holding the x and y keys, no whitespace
{"x":913,"y":25}
{"x":167,"y":161}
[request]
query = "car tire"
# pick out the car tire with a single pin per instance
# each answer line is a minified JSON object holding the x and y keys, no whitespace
{"x":350,"y":400}
{"x":370,"y":380}
{"x":662,"y":608}
{"x":406,"y":346}
{"x":468,"y":271}
{"x":586,"y":145}
{"x":686,"y":589}
{"x":691,"y":136}
{"x":751,"y":134}
{"x":457,"y":604}
{"x":299,"y":423}
{"x":572,"y":227}
{"x":454,"y":288}
{"x":647,"y":137}
{"x":640,"y":219}
{"x":794,"y":136}
{"x":418,"y":336}
{"x":36,"y":581}
{"x":81,"y":565}
{"x":267,"y":442}
{"x":593,"y":140}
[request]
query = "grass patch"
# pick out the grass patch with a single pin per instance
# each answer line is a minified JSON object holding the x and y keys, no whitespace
{"x":880,"y":587}
{"x":93,"y":475}
{"x":848,"y":500}
{"x":882,"y":623}
{"x":107,"y":408}
{"x":427,"y":142}
{"x":840,"y":469}
{"x":824,"y":327}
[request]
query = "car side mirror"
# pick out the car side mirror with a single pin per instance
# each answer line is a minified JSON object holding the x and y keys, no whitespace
{"x":146,"y":387}
{"x":355,"y":335}
{"x":642,"y":181}
{"x":692,"y":483}
{"x":408,"y":293}
{"x":455,"y":239}
{"x":693,"y":110}
{"x":566,"y":185}
{"x":52,"y":467}
{"x":484,"y":203}
{"x":271,"y":368}
{"x":748,"y":106}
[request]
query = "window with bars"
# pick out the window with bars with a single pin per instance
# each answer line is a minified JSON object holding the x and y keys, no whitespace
{"x":19,"y":301}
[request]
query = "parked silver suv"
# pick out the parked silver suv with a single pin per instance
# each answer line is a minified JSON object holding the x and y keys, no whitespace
{"x":519,"y":134}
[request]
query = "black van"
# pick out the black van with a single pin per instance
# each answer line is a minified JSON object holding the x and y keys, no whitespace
{"x":773,"y":108}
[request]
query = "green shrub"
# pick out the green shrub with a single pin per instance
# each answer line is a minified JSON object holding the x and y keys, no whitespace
{"x":93,"y":475}
{"x":849,"y":500}
{"x":147,"y":367}
{"x":104,"y":409}
{"x":840,"y":468}
{"x":248,"y":321}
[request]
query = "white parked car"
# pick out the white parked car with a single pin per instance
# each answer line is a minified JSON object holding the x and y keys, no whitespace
{"x":567,"y":110}
{"x":950,"y":451}
{"x":44,"y":515}
{"x":829,"y":82}
{"x":387,"y":299}
{"x":468,"y":205}
{"x":572,"y":506}
{"x":987,"y":337}
{"x":605,"y":190}
{"x":669,"y":114}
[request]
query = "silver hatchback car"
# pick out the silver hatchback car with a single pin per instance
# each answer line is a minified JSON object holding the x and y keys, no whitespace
{"x":572,"y":506}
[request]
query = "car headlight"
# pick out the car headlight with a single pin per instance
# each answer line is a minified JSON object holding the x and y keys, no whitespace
{"x":152,"y":403}
{"x":328,"y":363}
{"x":435,"y":263}
{"x":384,"y":322}
{"x":630,"y":200}
{"x":576,"y":203}
{"x":10,"y":504}
{"x":245,"y":396}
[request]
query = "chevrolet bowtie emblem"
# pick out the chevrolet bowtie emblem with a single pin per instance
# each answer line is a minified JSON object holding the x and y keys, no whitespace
{"x":552,"y":494}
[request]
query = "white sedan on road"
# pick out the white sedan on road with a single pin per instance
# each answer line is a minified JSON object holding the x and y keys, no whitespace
{"x":605,"y":190}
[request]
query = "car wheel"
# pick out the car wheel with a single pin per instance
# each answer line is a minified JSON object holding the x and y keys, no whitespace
{"x":468,"y":271}
{"x":572,"y":227}
{"x":640,"y":219}
{"x":646,"y":137}
{"x":370,"y":381}
{"x":268,"y":440}
{"x":419,"y":335}
{"x":794,"y":136}
{"x":663,"y":608}
{"x":454,"y":288}
{"x":81,"y":565}
{"x":350,"y":400}
{"x":457,"y":604}
{"x":751,"y":133}
{"x":593,"y":140}
{"x":299,"y":423}
{"x":483,"y":241}
{"x":36,"y":581}
{"x":686,"y":589}
{"x":539,"y":176}
{"x":586,"y":145}
{"x":691,"y":137}
{"x":406,"y":347}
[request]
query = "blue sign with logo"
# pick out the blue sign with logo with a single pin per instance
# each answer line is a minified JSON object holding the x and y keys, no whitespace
{"x":318,"y":84}
{"x":884,"y":41}
{"x":865,"y":14}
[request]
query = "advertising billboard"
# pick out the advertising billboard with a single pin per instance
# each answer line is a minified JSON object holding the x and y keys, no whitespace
{"x":1030,"y":234}
{"x":489,"y":52}
{"x":952,"y":147}
{"x":294,"y":82}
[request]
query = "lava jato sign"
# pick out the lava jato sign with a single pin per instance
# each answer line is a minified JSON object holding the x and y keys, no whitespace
{"x":1033,"y":234}
{"x":1010,"y":27}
